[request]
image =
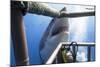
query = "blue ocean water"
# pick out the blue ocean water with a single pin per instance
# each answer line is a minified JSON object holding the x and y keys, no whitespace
{"x":35,"y":25}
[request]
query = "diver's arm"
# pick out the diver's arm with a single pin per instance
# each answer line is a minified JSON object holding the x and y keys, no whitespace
{"x":42,"y":9}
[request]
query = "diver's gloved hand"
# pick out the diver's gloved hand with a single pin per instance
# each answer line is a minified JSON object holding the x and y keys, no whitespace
{"x":63,"y":12}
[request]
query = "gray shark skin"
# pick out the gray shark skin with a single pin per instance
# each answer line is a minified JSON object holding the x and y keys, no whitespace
{"x":54,"y":34}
